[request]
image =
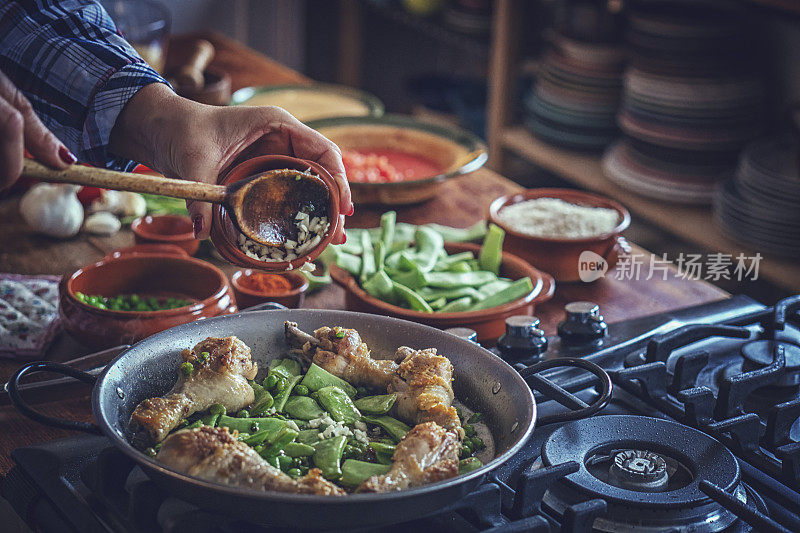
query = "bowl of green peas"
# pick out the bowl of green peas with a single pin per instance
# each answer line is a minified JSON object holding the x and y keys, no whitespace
{"x":131,"y":294}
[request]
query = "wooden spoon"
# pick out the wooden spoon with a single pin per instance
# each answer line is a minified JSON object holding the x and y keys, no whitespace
{"x":263,"y":207}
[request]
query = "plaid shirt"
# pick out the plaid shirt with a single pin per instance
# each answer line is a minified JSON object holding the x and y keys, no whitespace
{"x":68,"y":59}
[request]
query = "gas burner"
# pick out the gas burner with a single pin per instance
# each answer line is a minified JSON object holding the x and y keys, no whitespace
{"x":648,"y":471}
{"x":759,"y":354}
{"x":640,"y":470}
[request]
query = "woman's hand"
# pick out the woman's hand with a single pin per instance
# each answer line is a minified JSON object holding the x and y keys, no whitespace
{"x":20,"y":130}
{"x":184,"y":139}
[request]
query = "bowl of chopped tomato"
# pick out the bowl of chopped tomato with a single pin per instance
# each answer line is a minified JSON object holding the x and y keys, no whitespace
{"x":253,"y":287}
{"x":397,"y":160}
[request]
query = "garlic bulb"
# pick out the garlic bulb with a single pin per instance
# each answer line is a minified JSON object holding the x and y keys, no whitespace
{"x":102,"y":223}
{"x":133,"y":204}
{"x":52,"y":209}
{"x":121,"y":203}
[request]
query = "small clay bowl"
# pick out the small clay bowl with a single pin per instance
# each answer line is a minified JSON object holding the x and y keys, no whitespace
{"x":561,"y":257}
{"x":248,"y":297}
{"x":488,"y":323}
{"x":224,"y":234}
{"x":152,"y":270}
{"x":169,"y":229}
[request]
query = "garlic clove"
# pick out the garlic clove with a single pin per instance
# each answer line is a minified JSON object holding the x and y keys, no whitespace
{"x":102,"y":223}
{"x":52,"y":209}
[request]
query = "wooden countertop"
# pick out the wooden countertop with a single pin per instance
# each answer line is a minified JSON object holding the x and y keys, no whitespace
{"x":462,"y":202}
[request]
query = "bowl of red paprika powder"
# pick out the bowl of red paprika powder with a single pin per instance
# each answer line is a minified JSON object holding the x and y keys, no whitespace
{"x":253,"y":287}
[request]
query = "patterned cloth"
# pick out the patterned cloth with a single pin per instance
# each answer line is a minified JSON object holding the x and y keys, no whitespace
{"x":69,"y":60}
{"x":28,"y":314}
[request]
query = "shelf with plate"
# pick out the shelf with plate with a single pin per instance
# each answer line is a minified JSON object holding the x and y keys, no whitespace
{"x":692,"y":223}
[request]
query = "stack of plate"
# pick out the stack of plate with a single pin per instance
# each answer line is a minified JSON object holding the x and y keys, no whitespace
{"x":759,"y":205}
{"x":576,"y":96}
{"x":691,"y":101}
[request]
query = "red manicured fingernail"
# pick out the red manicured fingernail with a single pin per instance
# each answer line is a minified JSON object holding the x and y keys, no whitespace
{"x":66,"y":156}
{"x":344,"y":238}
{"x":352,"y":210}
{"x":197,"y":225}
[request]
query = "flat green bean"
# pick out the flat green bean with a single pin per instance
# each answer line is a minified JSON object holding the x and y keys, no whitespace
{"x":449,"y":234}
{"x":458,"y":305}
{"x":429,"y":294}
{"x":376,"y":405}
{"x":368,"y":267}
{"x":349,"y":262}
{"x":317,"y":378}
{"x":327,"y":456}
{"x":429,"y":247}
{"x":388,"y":224}
{"x":302,"y":407}
{"x":338,"y":404}
{"x":451,"y":280}
{"x":491,"y":254}
{"x":280,"y":399}
{"x":516,"y":290}
{"x":396,"y":429}
{"x":413,"y":299}
{"x":355,"y":472}
{"x":380,"y":286}
{"x":298,"y":449}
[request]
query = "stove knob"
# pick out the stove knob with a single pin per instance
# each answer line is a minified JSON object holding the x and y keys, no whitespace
{"x":464,"y":333}
{"x":522,"y":340}
{"x":584,"y":324}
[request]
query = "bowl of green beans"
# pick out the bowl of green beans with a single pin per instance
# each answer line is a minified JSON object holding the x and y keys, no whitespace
{"x":418,"y":275}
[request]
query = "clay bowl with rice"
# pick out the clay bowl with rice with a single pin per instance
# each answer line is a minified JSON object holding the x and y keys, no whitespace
{"x":309,"y":230}
{"x":399,"y":160}
{"x":572,"y":235}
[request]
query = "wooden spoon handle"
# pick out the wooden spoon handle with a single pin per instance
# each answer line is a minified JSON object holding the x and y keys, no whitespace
{"x":123,"y":181}
{"x":191,"y":74}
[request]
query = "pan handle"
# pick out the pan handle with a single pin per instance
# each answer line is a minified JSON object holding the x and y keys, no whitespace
{"x":14,"y":395}
{"x":580,"y":409}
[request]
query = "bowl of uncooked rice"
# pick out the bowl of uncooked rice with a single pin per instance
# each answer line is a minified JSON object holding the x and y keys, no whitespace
{"x":557,"y":229}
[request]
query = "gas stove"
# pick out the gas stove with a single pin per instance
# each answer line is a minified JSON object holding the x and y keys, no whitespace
{"x":701,"y":434}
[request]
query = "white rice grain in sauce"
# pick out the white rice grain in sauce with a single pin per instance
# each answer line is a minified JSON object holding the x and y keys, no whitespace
{"x":553,"y":218}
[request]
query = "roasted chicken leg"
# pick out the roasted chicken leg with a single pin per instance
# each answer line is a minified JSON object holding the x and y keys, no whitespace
{"x":219,"y":377}
{"x":426,"y":454}
{"x":341,"y":352}
{"x":424,"y":390}
{"x":214,"y":454}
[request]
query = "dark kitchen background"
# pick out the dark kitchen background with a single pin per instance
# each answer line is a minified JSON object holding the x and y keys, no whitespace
{"x":441,"y":59}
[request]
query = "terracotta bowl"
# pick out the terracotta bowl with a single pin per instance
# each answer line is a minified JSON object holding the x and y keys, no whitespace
{"x":155,"y":270}
{"x":561,"y":257}
{"x":169,"y":229}
{"x":455,"y":151}
{"x":247,"y":297}
{"x":488,"y":323}
{"x":224,"y":234}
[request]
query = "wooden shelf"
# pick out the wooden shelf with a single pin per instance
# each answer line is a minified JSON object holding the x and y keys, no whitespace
{"x":691,"y":223}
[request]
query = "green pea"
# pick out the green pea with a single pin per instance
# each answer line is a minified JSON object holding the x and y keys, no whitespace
{"x":280,"y":386}
{"x":187,"y":368}
{"x":285,"y":462}
{"x":477,"y":443}
{"x":150,"y":452}
{"x":466,"y":449}
{"x":476,"y":417}
{"x":294,"y":472}
{"x":459,"y":413}
{"x":271,"y":381}
{"x":244,"y":413}
{"x":301,"y":390}
{"x":361,"y":391}
{"x":469,"y":430}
